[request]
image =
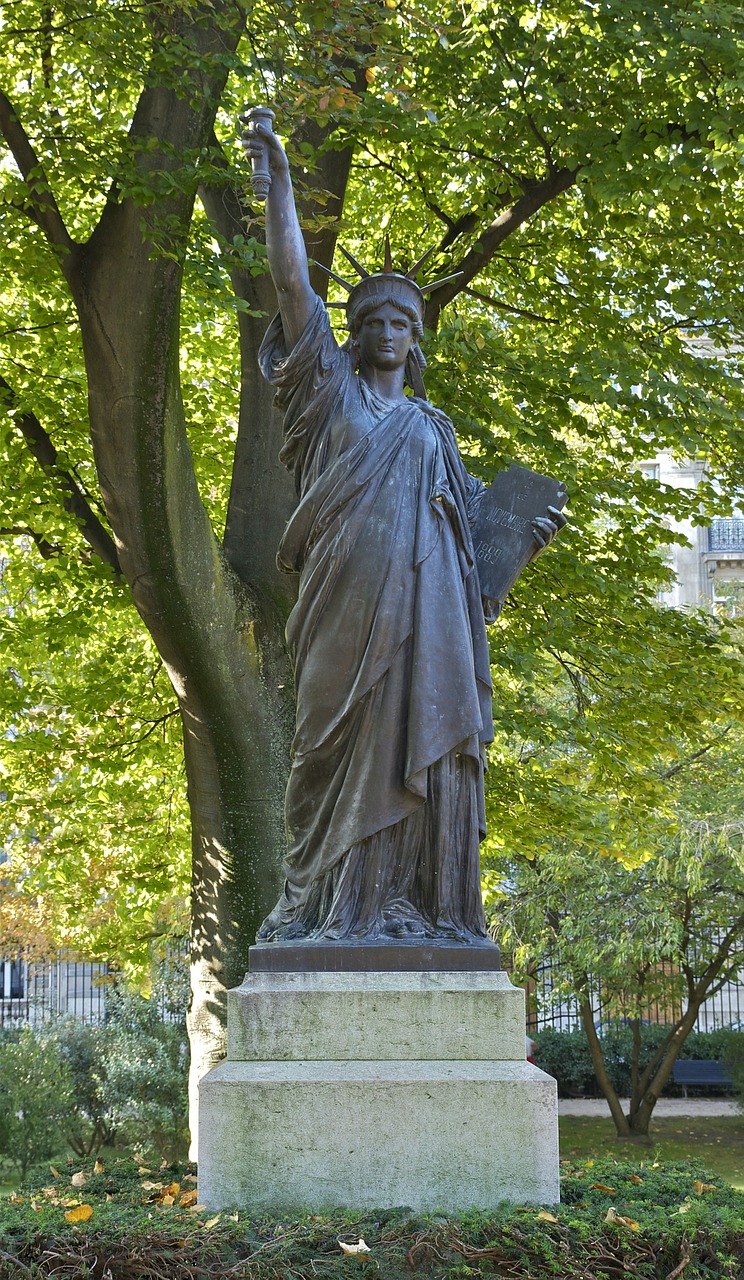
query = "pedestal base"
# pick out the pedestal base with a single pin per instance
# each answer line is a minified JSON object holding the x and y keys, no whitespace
{"x":377,"y":1090}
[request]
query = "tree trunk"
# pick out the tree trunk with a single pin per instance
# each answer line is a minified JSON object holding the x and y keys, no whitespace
{"x":622,"y":1127}
{"x":204,"y":621}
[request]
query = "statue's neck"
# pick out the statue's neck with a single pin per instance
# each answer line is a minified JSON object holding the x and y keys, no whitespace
{"x":386,"y":383}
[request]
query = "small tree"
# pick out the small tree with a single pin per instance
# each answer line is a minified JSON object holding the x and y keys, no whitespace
{"x":90,"y":1123}
{"x":670,"y":932}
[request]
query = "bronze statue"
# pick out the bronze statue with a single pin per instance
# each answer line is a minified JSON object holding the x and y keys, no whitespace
{"x":385,"y":802}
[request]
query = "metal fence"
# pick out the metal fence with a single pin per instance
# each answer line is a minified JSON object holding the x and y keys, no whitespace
{"x":34,"y":991}
{"x":548,"y":1007}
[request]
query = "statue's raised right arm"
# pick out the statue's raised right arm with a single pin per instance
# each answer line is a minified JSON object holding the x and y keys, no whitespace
{"x":284,"y":243}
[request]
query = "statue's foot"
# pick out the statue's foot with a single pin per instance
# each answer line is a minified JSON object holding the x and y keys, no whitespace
{"x":280,"y":926}
{"x":406,"y":929}
{"x":455,"y":933}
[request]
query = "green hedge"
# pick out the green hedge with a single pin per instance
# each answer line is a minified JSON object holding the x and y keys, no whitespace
{"x":565,"y":1055}
{"x":653,"y":1221}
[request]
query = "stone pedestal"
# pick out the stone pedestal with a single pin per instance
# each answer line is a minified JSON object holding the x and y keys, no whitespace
{"x":376,"y":1090}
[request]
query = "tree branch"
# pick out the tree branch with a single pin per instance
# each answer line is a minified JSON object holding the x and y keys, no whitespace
{"x":504,"y":306}
{"x":75,"y":500}
{"x":683,"y":764}
{"x":494,"y":235}
{"x":42,"y":207}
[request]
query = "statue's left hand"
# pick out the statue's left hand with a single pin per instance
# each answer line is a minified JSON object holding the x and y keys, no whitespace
{"x":544,"y":529}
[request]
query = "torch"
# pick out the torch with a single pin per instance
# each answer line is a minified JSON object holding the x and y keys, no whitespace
{"x":260,"y":175}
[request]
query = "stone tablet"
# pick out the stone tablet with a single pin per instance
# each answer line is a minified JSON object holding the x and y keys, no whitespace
{"x":502,"y":536}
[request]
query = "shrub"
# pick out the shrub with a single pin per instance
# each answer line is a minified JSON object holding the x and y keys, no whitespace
{"x":142,"y":1074}
{"x":35,"y":1099}
{"x":90,"y":1123}
{"x":565,"y":1054}
{"x":733,"y":1056}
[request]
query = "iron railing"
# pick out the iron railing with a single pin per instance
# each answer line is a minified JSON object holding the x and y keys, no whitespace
{"x":726,"y":533}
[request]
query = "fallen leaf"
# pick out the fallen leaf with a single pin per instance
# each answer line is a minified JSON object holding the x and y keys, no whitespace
{"x":633,"y":1177}
{"x":98,"y":1167}
{"x":600,"y":1186}
{"x":80,"y":1214}
{"x":197,"y":1208}
{"x":700,"y":1187}
{"x":151,"y":1186}
{"x":79,"y":1179}
{"x":54,"y":1172}
{"x":189,"y":1177}
{"x":544,"y":1216}
{"x":212,"y":1222}
{"x":172,"y":1189}
{"x":612,"y":1215}
{"x":684,"y":1207}
{"x":168,"y":1200}
{"x":142,"y":1171}
{"x":354,"y":1248}
{"x":188,"y":1198}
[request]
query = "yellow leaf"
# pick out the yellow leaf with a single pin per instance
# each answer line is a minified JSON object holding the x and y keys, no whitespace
{"x":98,"y":1167}
{"x":212,"y":1222}
{"x":189,"y":1177}
{"x":613,"y":1216}
{"x":79,"y":1179}
{"x":81,"y":1214}
{"x":544,"y":1216}
{"x":151,"y":1186}
{"x":188,"y":1198}
{"x":354,"y":1248}
{"x":54,"y":1172}
{"x":600,"y":1186}
{"x":142,"y":1171}
{"x":197,"y":1208}
{"x":172,"y":1189}
{"x":700,"y":1187}
{"x":633,"y":1177}
{"x":168,"y":1200}
{"x":684,"y":1207}
{"x":370,"y":74}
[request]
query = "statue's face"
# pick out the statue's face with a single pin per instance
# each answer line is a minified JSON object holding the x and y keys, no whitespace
{"x":385,"y":337}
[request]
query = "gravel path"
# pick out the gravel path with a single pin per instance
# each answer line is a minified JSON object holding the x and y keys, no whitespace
{"x":664,"y":1107}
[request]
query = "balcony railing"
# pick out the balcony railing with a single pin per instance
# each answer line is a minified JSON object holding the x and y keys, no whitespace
{"x":726,"y":534}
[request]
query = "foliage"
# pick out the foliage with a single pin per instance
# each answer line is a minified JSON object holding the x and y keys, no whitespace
{"x":122,"y":1080}
{"x":35,"y":1099}
{"x":733,"y":1056}
{"x":142,"y":1074}
{"x":616,"y":1217}
{"x":579,"y":164}
{"x":565,"y":1054}
{"x":129,"y":1074}
{"x":666,"y":933}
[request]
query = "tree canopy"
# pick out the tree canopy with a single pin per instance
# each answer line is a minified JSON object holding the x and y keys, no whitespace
{"x":579,"y":164}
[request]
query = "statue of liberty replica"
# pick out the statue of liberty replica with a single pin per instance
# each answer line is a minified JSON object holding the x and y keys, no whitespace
{"x":385,"y":804}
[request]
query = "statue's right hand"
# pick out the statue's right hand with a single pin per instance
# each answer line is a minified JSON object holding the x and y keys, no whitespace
{"x":260,"y":140}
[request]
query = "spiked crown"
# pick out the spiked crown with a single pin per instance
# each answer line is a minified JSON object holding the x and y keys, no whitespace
{"x":386,"y":284}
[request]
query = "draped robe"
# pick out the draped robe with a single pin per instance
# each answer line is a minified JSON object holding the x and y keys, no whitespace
{"x":384,"y":806}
